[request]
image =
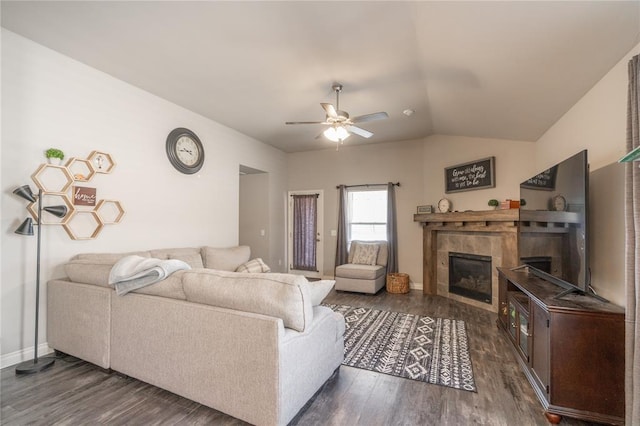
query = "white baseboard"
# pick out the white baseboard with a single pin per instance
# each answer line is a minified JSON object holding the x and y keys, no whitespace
{"x":415,"y":286}
{"x":17,"y":357}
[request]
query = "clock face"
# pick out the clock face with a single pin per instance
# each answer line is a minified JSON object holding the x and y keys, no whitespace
{"x":559,"y":203}
{"x":185,"y":151}
{"x":444,"y":205}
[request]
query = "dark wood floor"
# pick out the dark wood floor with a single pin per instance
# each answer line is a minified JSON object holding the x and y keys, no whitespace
{"x":74,"y":392}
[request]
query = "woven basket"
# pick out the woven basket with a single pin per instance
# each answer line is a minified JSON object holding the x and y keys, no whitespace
{"x":398,"y":282}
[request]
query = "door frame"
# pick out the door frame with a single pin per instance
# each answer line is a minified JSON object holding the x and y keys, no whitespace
{"x":319,"y":232}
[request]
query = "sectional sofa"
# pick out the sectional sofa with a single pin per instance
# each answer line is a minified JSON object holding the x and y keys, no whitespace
{"x":256,"y":346}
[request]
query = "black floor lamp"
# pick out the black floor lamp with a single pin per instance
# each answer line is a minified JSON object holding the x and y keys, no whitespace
{"x":26,"y":228}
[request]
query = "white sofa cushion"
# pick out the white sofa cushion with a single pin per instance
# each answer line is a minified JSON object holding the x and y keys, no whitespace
{"x":97,"y":271}
{"x":319,"y":290}
{"x":191,"y":255}
{"x":282,"y":296}
{"x":192,"y":259}
{"x":108,"y":257}
{"x":361,"y":272}
{"x":90,"y":271}
{"x":225,"y":259}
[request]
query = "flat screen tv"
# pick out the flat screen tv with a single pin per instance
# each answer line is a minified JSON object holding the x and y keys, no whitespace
{"x":553,"y":238}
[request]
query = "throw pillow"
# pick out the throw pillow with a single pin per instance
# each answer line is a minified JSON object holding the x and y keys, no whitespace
{"x":366,"y":254}
{"x":193,"y":260}
{"x":319,"y":290}
{"x":254,"y":265}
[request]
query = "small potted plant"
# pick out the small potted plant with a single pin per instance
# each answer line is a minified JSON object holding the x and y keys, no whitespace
{"x":54,"y":155}
{"x":493,"y":203}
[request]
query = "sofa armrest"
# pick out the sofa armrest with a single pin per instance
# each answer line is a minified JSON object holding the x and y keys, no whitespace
{"x":79,"y":320}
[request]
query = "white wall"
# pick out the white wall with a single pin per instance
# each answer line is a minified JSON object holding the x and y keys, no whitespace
{"x":598,"y":122}
{"x":512,"y":165}
{"x":49,"y":100}
{"x":254,"y":214}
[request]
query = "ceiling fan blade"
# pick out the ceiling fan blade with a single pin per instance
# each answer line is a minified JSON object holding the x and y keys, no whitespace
{"x":360,"y":132}
{"x":370,"y":117}
{"x":330,"y":110}
{"x":305,"y":122}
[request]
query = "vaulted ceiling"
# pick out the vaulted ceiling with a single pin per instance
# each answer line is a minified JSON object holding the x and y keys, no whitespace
{"x":504,"y":70}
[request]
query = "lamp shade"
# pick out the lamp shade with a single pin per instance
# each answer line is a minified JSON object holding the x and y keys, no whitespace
{"x":25,"y":192}
{"x":26,"y":227}
{"x":57,"y":211}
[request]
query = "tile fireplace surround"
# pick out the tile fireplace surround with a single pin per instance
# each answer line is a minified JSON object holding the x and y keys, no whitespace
{"x":492,"y":233}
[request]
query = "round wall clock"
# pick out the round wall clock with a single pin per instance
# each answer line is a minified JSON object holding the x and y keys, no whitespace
{"x":185,"y":151}
{"x":444,"y":205}
{"x":559,"y":203}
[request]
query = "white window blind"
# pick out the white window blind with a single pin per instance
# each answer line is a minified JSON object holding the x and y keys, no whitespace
{"x":367,"y":215}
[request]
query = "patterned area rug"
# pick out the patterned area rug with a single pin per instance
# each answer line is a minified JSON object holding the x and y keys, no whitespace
{"x":432,"y":350}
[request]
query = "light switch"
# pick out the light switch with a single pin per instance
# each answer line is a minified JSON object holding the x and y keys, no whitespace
{"x":262,"y":233}
{"x":334,"y":233}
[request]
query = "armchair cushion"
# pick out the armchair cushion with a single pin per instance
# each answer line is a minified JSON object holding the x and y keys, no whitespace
{"x":361,"y":272}
{"x":383,"y":252}
{"x":366,"y":254}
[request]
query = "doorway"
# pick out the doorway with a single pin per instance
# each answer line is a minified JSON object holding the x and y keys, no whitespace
{"x":305,"y":231}
{"x":253,"y":212}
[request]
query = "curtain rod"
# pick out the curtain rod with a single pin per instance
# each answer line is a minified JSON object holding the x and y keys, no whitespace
{"x":368,"y":185}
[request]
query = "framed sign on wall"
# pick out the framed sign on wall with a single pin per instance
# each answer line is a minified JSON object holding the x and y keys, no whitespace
{"x":477,"y":174}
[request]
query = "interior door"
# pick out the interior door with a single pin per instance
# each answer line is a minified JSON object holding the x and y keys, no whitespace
{"x":305,"y":244}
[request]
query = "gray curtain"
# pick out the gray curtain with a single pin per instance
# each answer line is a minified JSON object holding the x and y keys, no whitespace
{"x":632,"y":273}
{"x":392,"y":229}
{"x":342,"y":254}
{"x":305,"y":228}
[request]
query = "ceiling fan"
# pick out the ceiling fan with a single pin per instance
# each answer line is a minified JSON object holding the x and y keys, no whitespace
{"x":340,"y":125}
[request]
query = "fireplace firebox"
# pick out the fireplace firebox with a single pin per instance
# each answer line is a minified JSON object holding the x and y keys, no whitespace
{"x":542,"y":263}
{"x":470,"y":276}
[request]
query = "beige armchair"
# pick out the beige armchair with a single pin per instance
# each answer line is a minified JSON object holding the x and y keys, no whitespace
{"x":366,"y":271}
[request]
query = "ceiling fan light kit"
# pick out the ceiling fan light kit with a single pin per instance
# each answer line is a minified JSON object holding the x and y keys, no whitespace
{"x":336,"y":134}
{"x":340,"y":125}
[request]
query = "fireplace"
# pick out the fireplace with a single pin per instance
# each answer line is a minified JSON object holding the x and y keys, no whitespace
{"x":470,"y":276}
{"x":542,"y":263}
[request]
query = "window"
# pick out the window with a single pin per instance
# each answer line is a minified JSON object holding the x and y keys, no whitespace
{"x":367,"y":215}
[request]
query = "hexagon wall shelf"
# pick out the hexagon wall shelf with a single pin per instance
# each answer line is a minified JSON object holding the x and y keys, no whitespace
{"x":83,"y":225}
{"x":110,"y":211}
{"x":49,"y":199}
{"x":102,"y":162}
{"x":52,"y":178}
{"x":81,"y":170}
{"x":55,"y":181}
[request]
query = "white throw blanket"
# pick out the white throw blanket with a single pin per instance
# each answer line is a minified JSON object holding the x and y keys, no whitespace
{"x":134,"y":272}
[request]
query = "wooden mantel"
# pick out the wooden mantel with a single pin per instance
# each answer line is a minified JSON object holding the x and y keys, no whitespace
{"x":476,"y":218}
{"x":505,"y":222}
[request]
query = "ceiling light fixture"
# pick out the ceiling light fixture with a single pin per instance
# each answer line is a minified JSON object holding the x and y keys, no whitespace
{"x":408,"y":112}
{"x":336,"y":133}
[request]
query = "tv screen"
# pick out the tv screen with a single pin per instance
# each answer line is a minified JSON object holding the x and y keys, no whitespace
{"x":553,"y":223}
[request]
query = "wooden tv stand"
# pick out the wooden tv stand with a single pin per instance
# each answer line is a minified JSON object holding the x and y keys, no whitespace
{"x":570,"y":348}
